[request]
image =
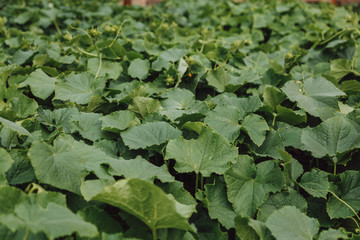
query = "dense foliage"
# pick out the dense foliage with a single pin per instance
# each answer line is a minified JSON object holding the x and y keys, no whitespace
{"x":200,"y":119}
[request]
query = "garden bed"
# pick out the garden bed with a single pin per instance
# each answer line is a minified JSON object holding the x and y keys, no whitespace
{"x":189,"y":120}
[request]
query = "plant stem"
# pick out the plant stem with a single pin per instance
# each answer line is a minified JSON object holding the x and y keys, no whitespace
{"x":335,"y":35}
{"x":197,"y":182}
{"x":346,"y":204}
{"x":154,"y":234}
{"x":118,"y":32}
{"x":274,"y":118}
{"x":357,"y":224}
{"x":26,"y":234}
{"x":201,"y":182}
{"x":57,"y":27}
{"x":334,"y":168}
{"x":85,"y":52}
{"x":100,"y":66}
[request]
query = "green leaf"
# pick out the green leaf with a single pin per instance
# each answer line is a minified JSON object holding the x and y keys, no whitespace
{"x":218,"y":205}
{"x":114,"y":51}
{"x":9,"y":198}
{"x":79,"y":88}
{"x":250,"y":229}
{"x":356,"y":59}
{"x":315,"y":183}
{"x":55,"y":53}
{"x":292,"y":168}
{"x":54,"y":220}
{"x":59,"y":118}
{"x":270,"y":145}
{"x":262,"y":20}
{"x":290,"y":223}
{"x":139,"y":69}
{"x":110,"y":68}
{"x":290,"y":116}
{"x":174,"y":54}
{"x":244,"y":230}
{"x":218,"y":79}
{"x":281,"y":199}
{"x":116,"y":236}
{"x":177,"y":189}
{"x":168,"y":56}
{"x":256,"y":127}
{"x":249,"y":185}
{"x":177,"y":98}
{"x":20,"y":57}
{"x":317,"y":209}
{"x":160,"y":64}
{"x":14,"y":126}
{"x":96,"y":104}
{"x":273,"y":97}
{"x":20,"y":104}
{"x":335,"y":135}
{"x":41,"y":85}
{"x":225,"y":121}
{"x":149,"y":134}
{"x":313,"y":95}
{"x":102,"y":220}
{"x":245,"y":105}
{"x":174,"y":234}
{"x":349,"y":193}
{"x":147,"y":202}
{"x":118,"y":121}
{"x":210,"y":153}
{"x":350,"y":86}
{"x":5,"y":163}
{"x":88,"y":125}
{"x":290,"y":135}
{"x":144,"y":106}
{"x":333,"y":234}
{"x":66,"y":163}
{"x":141,"y":169}
{"x":206,"y":227}
{"x":21,"y":170}
{"x":339,"y":68}
{"x":180,"y":102}
{"x":128,"y":91}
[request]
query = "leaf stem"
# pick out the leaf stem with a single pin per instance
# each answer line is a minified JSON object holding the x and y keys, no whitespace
{"x":100,"y":66}
{"x":26,"y":234}
{"x":118,"y":32}
{"x":80,"y":29}
{"x":57,"y":27}
{"x":335,"y":35}
{"x":154,"y":234}
{"x":274,"y":118}
{"x":201,"y":182}
{"x":334,"y":168}
{"x":197,"y":182}
{"x":357,"y":224}
{"x":346,"y":204}
{"x":85,"y":52}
